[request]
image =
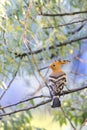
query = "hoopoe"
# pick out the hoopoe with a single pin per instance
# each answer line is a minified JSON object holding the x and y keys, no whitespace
{"x":57,"y":81}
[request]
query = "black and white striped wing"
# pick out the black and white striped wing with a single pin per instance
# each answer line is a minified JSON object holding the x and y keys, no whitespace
{"x":56,"y":83}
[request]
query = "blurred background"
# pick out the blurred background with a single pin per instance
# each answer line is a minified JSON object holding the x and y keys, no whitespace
{"x":33,"y":34}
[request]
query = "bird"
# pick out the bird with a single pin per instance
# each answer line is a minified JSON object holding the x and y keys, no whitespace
{"x":57,"y":81}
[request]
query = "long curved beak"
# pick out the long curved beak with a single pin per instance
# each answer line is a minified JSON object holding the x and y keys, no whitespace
{"x":44,"y":68}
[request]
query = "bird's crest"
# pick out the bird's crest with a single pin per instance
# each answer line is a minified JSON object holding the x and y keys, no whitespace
{"x":56,"y":66}
{"x":56,"y":62}
{"x":62,"y":61}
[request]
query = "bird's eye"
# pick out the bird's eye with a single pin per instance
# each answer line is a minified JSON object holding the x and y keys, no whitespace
{"x":53,"y":65}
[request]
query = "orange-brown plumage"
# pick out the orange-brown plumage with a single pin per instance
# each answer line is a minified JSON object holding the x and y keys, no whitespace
{"x":56,"y":65}
{"x":57,"y":81}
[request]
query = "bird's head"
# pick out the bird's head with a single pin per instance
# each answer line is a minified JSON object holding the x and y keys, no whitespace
{"x":56,"y":65}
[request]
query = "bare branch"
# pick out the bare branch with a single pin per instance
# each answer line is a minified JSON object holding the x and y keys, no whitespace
{"x":26,"y":109}
{"x":46,"y":67}
{"x":73,"y":90}
{"x":80,"y":59}
{"x":43,"y":102}
{"x":66,"y":116}
{"x":79,"y":74}
{"x":51,"y":47}
{"x":15,"y":74}
{"x":26,"y":19}
{"x":83,"y":124}
{"x":27,"y":43}
{"x":77,"y":29}
{"x":31,"y":98}
{"x":64,"y":14}
{"x":40,"y":96}
{"x":66,"y":24}
{"x":35,"y":63}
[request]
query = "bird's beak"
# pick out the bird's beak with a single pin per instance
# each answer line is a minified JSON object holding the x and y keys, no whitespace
{"x":44,"y":68}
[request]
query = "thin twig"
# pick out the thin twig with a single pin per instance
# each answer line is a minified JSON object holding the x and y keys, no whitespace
{"x":4,"y":37}
{"x":26,"y":19}
{"x":26,"y":109}
{"x":83,"y":124}
{"x":44,"y":102}
{"x":77,"y":29}
{"x":28,"y":46}
{"x":63,"y":14}
{"x":34,"y":61}
{"x":15,"y":74}
{"x":66,"y":116}
{"x":46,"y":67}
{"x":73,"y":90}
{"x":66,"y":24}
{"x":62,"y":94}
{"x":37,"y":90}
{"x":51,"y":47}
{"x":79,"y":74}
{"x":80,"y":59}
{"x":46,"y":72}
{"x":24,"y":35}
{"x":28,"y":99}
{"x":33,"y":71}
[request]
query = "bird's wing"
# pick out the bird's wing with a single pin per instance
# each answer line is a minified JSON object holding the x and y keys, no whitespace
{"x":57,"y":82}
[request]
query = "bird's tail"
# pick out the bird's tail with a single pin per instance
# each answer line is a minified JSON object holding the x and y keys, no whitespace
{"x":56,"y":102}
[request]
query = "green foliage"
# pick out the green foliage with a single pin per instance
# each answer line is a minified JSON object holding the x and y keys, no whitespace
{"x":74,"y":108}
{"x":42,"y":32}
{"x":20,"y":121}
{"x":17,"y":121}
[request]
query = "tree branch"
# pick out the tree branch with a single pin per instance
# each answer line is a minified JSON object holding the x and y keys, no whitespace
{"x":51,"y":47}
{"x":15,"y":74}
{"x":64,"y":14}
{"x":73,"y":90}
{"x":28,"y":99}
{"x":26,"y":109}
{"x":43,"y":102}
{"x":83,"y":124}
{"x":66,"y":116}
{"x":77,"y":29}
{"x":66,"y":24}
